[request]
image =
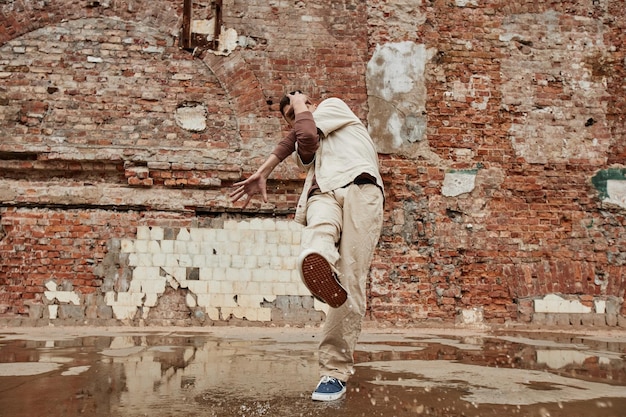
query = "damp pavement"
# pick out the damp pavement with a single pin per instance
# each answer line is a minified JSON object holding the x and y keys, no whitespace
{"x":271,"y":371}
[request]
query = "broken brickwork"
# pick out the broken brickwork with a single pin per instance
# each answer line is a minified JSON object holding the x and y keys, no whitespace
{"x":500,"y":128}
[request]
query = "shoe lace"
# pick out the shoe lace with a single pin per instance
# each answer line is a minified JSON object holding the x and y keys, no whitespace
{"x":330,"y":380}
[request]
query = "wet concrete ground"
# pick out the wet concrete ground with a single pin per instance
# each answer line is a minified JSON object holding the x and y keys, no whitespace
{"x":240,"y":371}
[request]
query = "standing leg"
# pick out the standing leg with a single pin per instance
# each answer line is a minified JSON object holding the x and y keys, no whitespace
{"x":362,"y":223}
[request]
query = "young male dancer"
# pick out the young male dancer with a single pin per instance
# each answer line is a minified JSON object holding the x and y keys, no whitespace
{"x":341,"y":207}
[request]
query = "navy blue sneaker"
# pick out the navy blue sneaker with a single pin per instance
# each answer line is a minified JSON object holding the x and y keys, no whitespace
{"x":329,"y":389}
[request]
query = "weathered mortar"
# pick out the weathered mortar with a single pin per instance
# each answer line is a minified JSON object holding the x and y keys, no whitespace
{"x":500,"y":127}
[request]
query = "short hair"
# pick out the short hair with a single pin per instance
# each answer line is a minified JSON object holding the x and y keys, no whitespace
{"x":285,"y":100}
{"x":283,"y":103}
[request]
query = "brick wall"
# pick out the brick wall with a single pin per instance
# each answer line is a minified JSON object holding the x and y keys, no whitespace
{"x":41,"y":246}
{"x":500,"y":127}
{"x":519,"y":97}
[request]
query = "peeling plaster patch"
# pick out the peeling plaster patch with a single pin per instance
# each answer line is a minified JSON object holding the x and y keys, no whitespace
{"x":399,"y":66}
{"x":394,"y":126}
{"x":477,"y":89}
{"x":228,"y":42}
{"x":508,"y":37}
{"x":458,"y":182}
{"x":464,"y":3}
{"x":397,"y":96}
{"x":191,"y":116}
{"x":228,"y":39}
{"x":204,"y":26}
{"x":246,"y":41}
{"x":472,"y":317}
{"x":414,"y":128}
{"x":611,"y":185}
{"x":552,"y":303}
{"x":549,"y":128}
{"x":617,"y":192}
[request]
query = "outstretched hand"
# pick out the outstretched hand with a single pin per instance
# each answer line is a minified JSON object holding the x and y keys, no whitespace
{"x":253,"y":185}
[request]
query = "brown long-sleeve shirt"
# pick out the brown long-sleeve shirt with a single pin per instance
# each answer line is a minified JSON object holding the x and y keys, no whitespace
{"x":304,"y":134}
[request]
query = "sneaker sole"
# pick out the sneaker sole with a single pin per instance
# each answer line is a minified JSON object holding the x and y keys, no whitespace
{"x":319,"y":278}
{"x":328,"y":397}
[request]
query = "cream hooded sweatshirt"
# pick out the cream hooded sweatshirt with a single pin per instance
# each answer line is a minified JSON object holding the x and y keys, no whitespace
{"x":346,"y":151}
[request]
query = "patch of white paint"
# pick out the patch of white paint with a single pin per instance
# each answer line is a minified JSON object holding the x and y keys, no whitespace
{"x":191,"y":117}
{"x":508,"y":37}
{"x":616,"y":190}
{"x":471,"y":316}
{"x":204,"y":26}
{"x":396,"y":89}
{"x":228,"y":42}
{"x":191,"y":300}
{"x":53,"y":311}
{"x":65,"y":297}
{"x":477,"y":89}
{"x":394,"y":127}
{"x":552,"y":303}
{"x":399,"y":66}
{"x":465,"y":3}
{"x":457,"y":183}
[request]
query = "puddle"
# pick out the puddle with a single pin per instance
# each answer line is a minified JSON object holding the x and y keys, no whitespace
{"x":271,"y":372}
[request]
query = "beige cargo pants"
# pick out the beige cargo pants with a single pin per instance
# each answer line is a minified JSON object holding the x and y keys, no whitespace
{"x":344,"y":226}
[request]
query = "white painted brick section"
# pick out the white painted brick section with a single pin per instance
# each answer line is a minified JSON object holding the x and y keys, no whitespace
{"x":63,"y":297}
{"x":228,"y":271}
{"x":127,"y":246}
{"x":143,"y":233}
{"x":156,"y":233}
{"x":552,"y":303}
{"x":600,"y":306}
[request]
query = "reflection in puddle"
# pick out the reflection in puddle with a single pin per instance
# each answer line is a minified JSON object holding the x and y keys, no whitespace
{"x":487,"y":385}
{"x":271,"y":372}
